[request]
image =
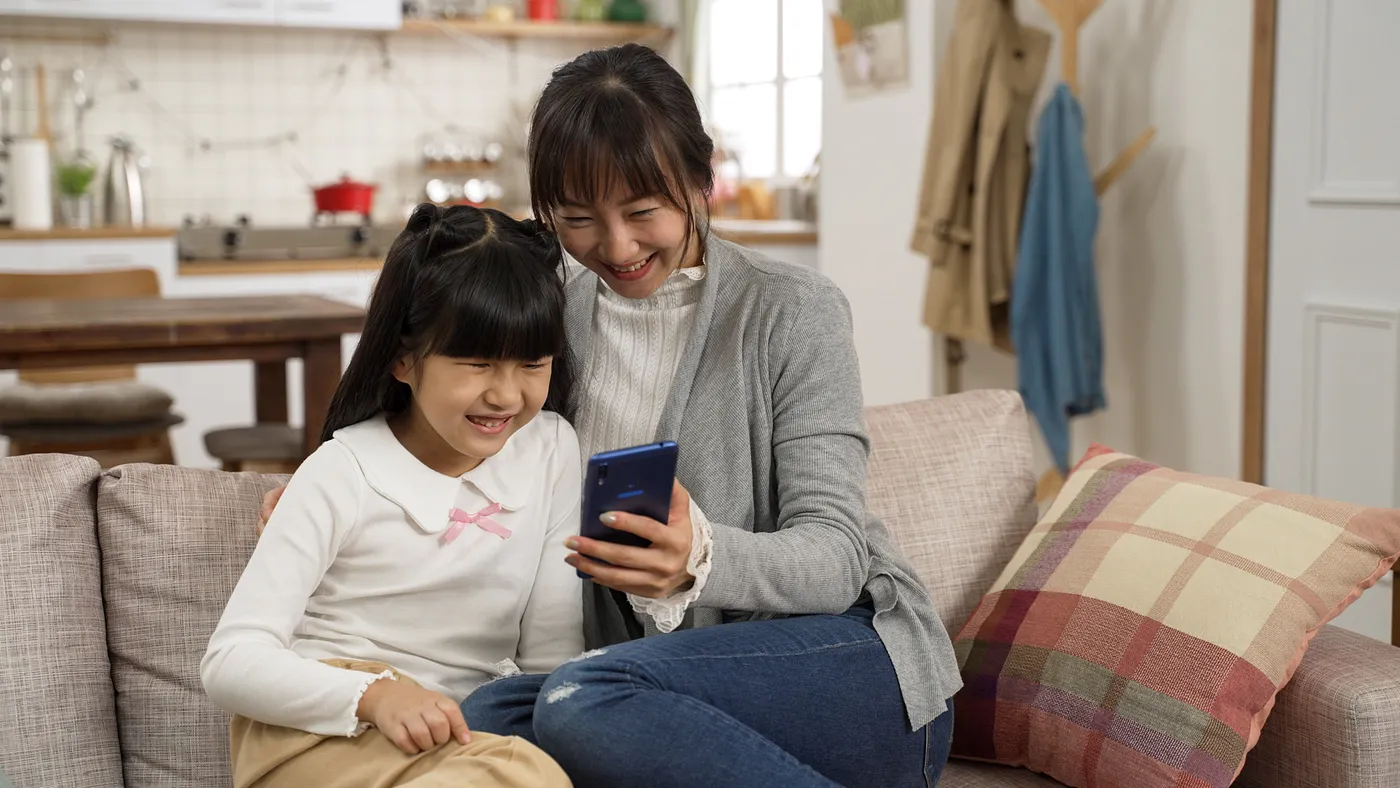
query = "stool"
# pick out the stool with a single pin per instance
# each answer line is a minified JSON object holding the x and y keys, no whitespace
{"x":261,"y":448}
{"x":110,"y":444}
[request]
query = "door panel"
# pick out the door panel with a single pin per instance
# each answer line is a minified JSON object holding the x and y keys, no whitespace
{"x":1333,"y":419}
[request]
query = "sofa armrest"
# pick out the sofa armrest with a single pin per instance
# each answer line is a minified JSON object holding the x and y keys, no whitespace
{"x":1337,"y":723}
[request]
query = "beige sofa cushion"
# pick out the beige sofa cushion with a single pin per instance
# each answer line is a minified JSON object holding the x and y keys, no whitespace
{"x":952,"y":478}
{"x":961,"y":774}
{"x":57,"y":722}
{"x":174,"y":541}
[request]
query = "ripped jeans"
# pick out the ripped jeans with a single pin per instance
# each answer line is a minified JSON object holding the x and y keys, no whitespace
{"x":802,"y":701}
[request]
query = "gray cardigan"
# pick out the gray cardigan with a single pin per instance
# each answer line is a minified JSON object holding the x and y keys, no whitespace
{"x":766,"y":407}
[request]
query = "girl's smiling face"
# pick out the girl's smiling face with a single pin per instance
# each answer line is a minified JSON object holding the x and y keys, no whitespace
{"x":632,"y":242}
{"x":465,"y":409}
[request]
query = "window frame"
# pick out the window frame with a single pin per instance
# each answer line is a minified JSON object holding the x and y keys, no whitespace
{"x":705,"y":86}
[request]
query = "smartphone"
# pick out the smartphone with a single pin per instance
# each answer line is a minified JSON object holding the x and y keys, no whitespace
{"x":636,"y":480}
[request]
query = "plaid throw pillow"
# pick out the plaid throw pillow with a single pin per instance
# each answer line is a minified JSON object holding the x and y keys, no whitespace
{"x":1140,"y":633}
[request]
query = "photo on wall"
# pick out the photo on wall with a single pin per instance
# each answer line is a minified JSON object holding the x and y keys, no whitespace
{"x":872,"y":45}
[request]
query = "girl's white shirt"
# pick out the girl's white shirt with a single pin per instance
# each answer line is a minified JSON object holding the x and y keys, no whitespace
{"x":356,"y":564}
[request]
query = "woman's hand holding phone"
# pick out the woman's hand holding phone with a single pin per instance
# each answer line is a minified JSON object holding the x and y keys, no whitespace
{"x":653,"y":572}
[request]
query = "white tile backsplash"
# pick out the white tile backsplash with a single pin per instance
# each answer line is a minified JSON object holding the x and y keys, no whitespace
{"x":208,"y":104}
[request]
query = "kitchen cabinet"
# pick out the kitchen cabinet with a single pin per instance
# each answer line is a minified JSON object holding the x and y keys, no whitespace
{"x":334,"y":14}
{"x":76,"y":256}
{"x":362,"y":14}
{"x":215,"y":12}
{"x":79,"y":9}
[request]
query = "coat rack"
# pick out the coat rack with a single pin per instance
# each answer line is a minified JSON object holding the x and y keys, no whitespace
{"x":1069,"y":16}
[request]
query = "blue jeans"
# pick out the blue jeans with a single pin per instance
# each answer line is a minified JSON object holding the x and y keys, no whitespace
{"x":802,"y":701}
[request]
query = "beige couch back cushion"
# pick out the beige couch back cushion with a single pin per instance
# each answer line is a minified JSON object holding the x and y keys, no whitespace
{"x":952,"y":479}
{"x":174,"y":541}
{"x":57,"y":723}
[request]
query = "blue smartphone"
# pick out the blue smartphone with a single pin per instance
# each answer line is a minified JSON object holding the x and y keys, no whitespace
{"x":636,"y":480}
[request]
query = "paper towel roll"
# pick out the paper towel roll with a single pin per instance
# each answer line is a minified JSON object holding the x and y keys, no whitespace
{"x":31,"y":184}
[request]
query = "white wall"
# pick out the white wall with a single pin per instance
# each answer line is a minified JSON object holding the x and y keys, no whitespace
{"x":872,"y":157}
{"x":1171,"y":238}
{"x":363,"y":104}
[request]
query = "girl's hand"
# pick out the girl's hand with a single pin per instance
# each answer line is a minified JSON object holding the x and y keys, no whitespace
{"x":415,"y":720}
{"x":653,"y":572}
{"x":268,"y":504}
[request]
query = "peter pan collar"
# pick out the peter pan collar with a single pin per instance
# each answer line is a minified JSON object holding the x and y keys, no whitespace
{"x":427,"y":496}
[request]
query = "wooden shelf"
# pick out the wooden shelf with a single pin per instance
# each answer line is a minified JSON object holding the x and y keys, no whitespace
{"x":565,"y":30}
{"x":459,"y":167}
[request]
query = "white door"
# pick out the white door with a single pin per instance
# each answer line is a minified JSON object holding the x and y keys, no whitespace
{"x":1334,"y":272}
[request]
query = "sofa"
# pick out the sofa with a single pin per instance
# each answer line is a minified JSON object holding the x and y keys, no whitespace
{"x":111,"y":583}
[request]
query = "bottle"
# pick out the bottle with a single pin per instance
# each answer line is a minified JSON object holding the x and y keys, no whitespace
{"x":123,"y":193}
{"x":634,"y":11}
{"x":590,"y":10}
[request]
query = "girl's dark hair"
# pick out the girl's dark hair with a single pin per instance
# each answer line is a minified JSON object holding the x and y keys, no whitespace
{"x":459,"y":282}
{"x":620,"y":118}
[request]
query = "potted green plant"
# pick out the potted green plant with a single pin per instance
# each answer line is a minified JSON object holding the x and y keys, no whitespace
{"x":75,"y":178}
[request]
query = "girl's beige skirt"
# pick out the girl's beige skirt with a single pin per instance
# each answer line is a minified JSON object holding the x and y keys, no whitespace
{"x":268,"y":756}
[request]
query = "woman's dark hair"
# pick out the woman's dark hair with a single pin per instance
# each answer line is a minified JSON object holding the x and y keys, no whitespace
{"x":620,"y":118}
{"x":459,"y":282}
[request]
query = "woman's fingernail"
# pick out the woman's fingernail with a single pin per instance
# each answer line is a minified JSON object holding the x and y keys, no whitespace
{"x":608,"y":518}
{"x":571,"y":543}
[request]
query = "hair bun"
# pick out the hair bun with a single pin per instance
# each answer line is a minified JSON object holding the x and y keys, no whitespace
{"x":423,"y":218}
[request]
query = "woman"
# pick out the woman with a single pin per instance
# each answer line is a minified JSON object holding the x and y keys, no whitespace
{"x":807,"y":652}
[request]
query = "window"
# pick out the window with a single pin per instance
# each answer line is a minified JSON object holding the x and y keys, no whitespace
{"x":763,"y":65}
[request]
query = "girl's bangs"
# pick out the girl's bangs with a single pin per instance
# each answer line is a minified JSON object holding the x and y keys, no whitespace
{"x":503,"y":310}
{"x":607,"y":151}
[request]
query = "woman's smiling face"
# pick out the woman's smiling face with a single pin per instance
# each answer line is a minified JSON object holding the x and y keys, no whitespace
{"x":632,"y":242}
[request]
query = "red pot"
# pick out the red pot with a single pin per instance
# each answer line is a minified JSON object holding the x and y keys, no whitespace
{"x":346,"y":196}
{"x":544,"y":10}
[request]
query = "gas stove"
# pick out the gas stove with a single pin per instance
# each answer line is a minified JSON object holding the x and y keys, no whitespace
{"x":242,"y":241}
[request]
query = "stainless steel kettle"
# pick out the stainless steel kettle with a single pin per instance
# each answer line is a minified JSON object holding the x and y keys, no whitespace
{"x":124,"y":193}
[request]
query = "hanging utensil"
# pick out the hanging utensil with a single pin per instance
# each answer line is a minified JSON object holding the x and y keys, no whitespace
{"x":7,"y":138}
{"x":82,"y":103}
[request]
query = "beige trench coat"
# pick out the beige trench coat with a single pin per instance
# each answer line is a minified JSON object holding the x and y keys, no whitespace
{"x":976,"y":170}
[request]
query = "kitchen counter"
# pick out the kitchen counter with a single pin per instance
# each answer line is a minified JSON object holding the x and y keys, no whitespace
{"x":91,"y":234}
{"x":262,"y":267}
{"x":789,"y":239}
{"x":754,"y":232}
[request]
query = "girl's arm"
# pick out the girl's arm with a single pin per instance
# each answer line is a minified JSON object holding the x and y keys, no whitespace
{"x":250,"y":668}
{"x":551,"y":631}
{"x":818,"y":559}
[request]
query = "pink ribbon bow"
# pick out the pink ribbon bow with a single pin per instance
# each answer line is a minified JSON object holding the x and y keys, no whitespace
{"x":482,"y":519}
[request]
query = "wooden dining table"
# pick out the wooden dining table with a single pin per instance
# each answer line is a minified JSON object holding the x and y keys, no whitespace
{"x":267,"y":330}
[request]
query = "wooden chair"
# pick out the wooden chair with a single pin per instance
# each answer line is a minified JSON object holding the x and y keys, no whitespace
{"x":111,"y":444}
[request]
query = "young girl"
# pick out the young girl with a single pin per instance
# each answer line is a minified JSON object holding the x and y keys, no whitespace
{"x":420,"y":551}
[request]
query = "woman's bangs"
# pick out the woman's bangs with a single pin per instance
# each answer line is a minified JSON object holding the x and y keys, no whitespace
{"x":606,"y":152}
